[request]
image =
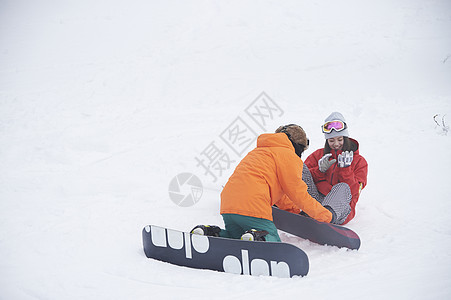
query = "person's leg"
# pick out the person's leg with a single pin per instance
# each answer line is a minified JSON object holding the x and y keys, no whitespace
{"x":311,"y":186}
{"x":232,"y":229}
{"x":236,"y":225}
{"x":267,"y":225}
{"x":338,"y":199}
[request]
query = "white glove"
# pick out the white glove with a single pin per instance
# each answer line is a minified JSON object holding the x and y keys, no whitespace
{"x":324,"y":163}
{"x":345,"y":159}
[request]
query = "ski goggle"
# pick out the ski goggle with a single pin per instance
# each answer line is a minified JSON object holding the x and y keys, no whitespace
{"x":336,"y":125}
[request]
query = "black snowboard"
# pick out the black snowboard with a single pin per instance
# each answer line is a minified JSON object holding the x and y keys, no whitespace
{"x":315,"y":231}
{"x":225,"y":255}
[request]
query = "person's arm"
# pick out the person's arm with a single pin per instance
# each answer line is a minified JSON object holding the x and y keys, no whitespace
{"x":289,"y":171}
{"x":286,"y":204}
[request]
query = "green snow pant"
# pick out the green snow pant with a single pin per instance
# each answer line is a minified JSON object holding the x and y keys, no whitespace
{"x":236,"y":225}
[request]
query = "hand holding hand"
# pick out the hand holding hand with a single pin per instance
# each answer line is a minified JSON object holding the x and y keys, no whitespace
{"x":345,"y":159}
{"x":324,"y":163}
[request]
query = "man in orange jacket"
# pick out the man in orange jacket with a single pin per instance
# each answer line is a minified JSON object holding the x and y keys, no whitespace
{"x":270,"y":173}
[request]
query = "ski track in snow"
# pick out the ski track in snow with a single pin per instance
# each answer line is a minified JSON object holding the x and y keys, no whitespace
{"x":103,"y":103}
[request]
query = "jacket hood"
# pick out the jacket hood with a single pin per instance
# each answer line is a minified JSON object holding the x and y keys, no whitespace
{"x":274,"y":140}
{"x":356,"y":144}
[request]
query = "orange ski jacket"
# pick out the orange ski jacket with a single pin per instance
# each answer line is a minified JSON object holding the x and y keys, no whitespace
{"x":268,"y":174}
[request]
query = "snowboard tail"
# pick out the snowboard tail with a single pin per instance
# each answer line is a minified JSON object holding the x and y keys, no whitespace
{"x":318,"y":232}
{"x":224,"y":255}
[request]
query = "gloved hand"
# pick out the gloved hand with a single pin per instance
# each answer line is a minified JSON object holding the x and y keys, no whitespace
{"x":345,"y":159}
{"x":334,"y":215}
{"x":324,"y":163}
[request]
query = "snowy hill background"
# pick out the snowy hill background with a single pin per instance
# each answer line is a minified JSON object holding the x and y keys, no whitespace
{"x":102,"y":103}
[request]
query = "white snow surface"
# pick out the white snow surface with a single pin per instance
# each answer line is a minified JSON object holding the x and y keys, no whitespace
{"x":103,"y":102}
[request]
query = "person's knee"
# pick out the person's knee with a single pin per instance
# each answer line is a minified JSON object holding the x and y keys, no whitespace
{"x":342,"y":186}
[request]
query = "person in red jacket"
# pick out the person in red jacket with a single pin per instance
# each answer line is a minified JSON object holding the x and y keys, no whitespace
{"x":338,"y":170}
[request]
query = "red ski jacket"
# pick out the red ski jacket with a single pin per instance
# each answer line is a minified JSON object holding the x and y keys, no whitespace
{"x":355,"y":175}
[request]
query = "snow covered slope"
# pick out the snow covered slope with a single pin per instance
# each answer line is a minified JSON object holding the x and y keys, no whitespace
{"x":102,"y":103}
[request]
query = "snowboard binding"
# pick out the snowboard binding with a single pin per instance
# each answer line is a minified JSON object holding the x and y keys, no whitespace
{"x":207,"y":230}
{"x":254,"y":235}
